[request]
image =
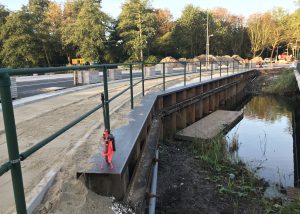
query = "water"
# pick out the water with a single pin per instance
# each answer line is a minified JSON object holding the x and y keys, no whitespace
{"x":267,"y":135}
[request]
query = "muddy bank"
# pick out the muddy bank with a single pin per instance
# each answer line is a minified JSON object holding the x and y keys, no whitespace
{"x":188,"y":185}
{"x":280,"y":82}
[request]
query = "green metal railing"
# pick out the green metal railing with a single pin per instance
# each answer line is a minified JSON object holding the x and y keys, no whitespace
{"x":13,"y":164}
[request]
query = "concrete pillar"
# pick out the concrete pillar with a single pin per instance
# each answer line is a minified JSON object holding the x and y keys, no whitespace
{"x":115,"y":74}
{"x":191,"y":67}
{"x":150,"y":71}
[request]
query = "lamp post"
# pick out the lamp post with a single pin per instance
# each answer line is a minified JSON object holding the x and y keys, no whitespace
{"x":207,"y":42}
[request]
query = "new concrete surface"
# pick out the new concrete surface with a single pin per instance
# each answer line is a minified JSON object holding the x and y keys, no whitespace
{"x":211,"y":125}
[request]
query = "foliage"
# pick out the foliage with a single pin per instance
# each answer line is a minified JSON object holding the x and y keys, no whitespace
{"x":189,"y":32}
{"x":44,"y":33}
{"x":284,"y":84}
{"x":259,"y":29}
{"x":292,"y":208}
{"x":136,"y":26}
{"x":151,"y":59}
{"x":20,"y":46}
{"x":3,"y":14}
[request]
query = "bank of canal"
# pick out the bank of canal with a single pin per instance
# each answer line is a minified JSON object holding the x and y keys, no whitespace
{"x":200,"y":176}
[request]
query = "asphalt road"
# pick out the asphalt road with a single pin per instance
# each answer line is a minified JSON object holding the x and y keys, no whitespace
{"x":34,"y":87}
{"x":30,"y":88}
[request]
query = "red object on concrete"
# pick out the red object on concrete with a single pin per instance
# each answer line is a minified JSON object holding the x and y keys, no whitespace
{"x":109,"y":148}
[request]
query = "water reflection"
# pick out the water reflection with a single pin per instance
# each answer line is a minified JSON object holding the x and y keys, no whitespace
{"x":268,"y":143}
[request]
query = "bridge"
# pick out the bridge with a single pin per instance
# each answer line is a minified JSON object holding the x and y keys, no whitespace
{"x":181,"y":94}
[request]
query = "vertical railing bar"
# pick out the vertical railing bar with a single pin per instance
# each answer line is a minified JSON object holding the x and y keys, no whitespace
{"x":106,"y":98}
{"x":211,"y":71}
{"x":184,"y":73}
{"x":143,"y":80}
{"x":12,"y":143}
{"x":164,"y":76}
{"x":200,"y":71}
{"x":131,"y":86}
{"x":227,"y":67}
{"x":220,"y":68}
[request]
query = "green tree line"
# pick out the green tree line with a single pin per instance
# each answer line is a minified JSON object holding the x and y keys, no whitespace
{"x":43,"y":33}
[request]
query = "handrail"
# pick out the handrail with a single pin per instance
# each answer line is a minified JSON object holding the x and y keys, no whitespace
{"x":15,"y":157}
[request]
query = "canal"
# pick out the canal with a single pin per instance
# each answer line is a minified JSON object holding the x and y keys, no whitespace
{"x":269,"y":139}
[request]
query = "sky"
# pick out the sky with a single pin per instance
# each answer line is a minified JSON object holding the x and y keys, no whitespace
{"x":237,"y":7}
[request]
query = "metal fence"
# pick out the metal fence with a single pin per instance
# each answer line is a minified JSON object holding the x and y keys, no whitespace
{"x":149,"y":71}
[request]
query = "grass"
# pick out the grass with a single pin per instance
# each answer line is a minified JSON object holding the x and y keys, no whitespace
{"x":284,"y":83}
{"x":232,"y":178}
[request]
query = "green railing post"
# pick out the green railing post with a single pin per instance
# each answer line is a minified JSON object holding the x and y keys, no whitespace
{"x":164,"y":76}
{"x":12,"y":144}
{"x":131,"y":86}
{"x":143,"y":80}
{"x":227,"y":67}
{"x":184,"y":74}
{"x":106,"y":102}
{"x":211,"y":71}
{"x":200,"y":71}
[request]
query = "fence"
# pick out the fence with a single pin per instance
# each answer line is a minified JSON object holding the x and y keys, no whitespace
{"x":149,"y":71}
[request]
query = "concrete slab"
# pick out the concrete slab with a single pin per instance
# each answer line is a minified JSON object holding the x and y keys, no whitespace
{"x":211,"y":125}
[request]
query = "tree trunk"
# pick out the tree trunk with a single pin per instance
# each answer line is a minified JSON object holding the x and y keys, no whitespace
{"x":46,"y":55}
{"x":273,"y":49}
{"x":141,"y":33}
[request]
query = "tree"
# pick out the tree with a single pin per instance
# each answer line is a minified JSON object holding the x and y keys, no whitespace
{"x":259,"y":30}
{"x":114,"y":51}
{"x":163,"y":44}
{"x":277,"y":28}
{"x":190,"y":31}
{"x":54,"y":18}
{"x":37,"y":10}
{"x":84,"y":29}
{"x":3,"y":14}
{"x":164,"y":21}
{"x":228,"y":32}
{"x":136,"y":26}
{"x":20,"y":47}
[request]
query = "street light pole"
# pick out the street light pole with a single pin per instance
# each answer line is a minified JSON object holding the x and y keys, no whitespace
{"x":207,"y":42}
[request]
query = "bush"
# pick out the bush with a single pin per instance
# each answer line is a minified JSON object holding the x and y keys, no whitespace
{"x":151,"y":59}
{"x":284,"y":84}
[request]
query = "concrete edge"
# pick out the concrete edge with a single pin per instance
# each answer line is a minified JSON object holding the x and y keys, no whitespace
{"x":40,"y":190}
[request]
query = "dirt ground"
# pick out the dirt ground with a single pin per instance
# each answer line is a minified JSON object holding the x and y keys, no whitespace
{"x":184,"y":186}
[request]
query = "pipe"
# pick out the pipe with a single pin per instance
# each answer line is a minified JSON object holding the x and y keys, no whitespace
{"x":152,"y":202}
